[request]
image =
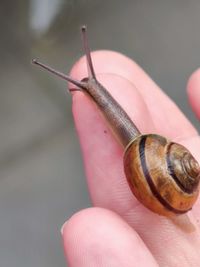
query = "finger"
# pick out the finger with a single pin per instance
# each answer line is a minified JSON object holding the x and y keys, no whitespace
{"x":107,"y":183}
{"x":193,"y":90}
{"x":98,"y":237}
{"x":162,"y":109}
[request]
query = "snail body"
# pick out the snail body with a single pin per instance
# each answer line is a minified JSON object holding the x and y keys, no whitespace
{"x":162,"y":175}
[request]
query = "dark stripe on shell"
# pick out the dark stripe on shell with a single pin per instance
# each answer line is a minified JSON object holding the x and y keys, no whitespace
{"x":150,"y":181}
{"x":173,"y":174}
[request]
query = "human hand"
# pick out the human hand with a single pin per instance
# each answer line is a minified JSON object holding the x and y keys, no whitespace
{"x":119,"y":231}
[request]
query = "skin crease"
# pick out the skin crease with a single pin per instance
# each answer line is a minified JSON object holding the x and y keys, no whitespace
{"x":90,"y":237}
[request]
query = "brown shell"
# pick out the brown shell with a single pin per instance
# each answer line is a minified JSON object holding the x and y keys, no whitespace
{"x":163,"y":176}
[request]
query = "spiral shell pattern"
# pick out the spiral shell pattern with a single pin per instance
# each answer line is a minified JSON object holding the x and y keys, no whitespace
{"x":163,"y":175}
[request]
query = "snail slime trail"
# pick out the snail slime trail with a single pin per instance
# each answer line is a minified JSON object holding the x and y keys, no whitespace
{"x":163,"y":175}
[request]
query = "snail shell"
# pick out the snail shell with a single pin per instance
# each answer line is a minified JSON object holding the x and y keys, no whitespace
{"x":163,"y":175}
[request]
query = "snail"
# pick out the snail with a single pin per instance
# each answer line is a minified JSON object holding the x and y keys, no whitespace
{"x":163,"y":175}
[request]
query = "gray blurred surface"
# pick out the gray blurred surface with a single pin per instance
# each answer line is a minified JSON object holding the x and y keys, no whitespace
{"x":41,"y":174}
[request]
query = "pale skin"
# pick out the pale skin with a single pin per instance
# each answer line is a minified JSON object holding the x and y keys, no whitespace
{"x":118,"y":230}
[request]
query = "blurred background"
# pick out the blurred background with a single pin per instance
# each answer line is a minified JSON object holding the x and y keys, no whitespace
{"x":42,"y":179}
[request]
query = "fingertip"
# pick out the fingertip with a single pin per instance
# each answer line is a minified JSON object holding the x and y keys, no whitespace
{"x":193,"y":91}
{"x":194,"y":77}
{"x":104,"y":61}
{"x":99,"y":237}
{"x":86,"y":218}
